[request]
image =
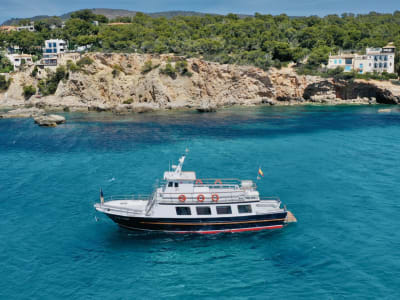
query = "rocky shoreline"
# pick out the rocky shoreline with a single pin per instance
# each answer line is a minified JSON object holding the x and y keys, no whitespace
{"x":118,"y":83}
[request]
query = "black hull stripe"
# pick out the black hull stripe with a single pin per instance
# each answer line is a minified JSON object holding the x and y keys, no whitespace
{"x":211,"y":223}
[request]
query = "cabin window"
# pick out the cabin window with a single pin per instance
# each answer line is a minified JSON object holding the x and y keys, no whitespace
{"x":203,"y":210}
{"x":183,"y":211}
{"x":170,"y":184}
{"x":243,"y":209}
{"x":176,"y":184}
{"x":224,"y":210}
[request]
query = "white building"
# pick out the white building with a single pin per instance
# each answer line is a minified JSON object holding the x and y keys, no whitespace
{"x":54,"y":46}
{"x":20,"y":59}
{"x":52,"y":49}
{"x":30,"y":27}
{"x":374,"y":60}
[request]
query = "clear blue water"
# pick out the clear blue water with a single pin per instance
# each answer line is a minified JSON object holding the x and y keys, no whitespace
{"x":337,"y":168}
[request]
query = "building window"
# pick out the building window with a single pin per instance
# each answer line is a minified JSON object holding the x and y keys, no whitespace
{"x":376,"y":58}
{"x":176,"y":184}
{"x":385,"y":57}
{"x":170,"y":184}
{"x":375,"y":65}
{"x":381,"y":57}
{"x":385,"y":65}
{"x":224,"y":210}
{"x":183,"y":211}
{"x":348,"y":61}
{"x":361,"y":66}
{"x":243,"y":209}
{"x":370,"y":64}
{"x":49,"y":45}
{"x":390,"y":64}
{"x":54,"y":45}
{"x":203,"y":210}
{"x":380,"y":65}
{"x":335,"y":61}
{"x":340,"y":61}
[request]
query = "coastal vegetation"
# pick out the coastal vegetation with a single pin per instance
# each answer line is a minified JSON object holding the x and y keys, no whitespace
{"x":5,"y":64}
{"x":259,"y":40}
{"x":28,"y":91}
{"x":4,"y":83}
{"x":48,"y":86}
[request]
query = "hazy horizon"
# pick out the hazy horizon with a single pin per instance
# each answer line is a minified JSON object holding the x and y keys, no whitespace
{"x":12,"y":8}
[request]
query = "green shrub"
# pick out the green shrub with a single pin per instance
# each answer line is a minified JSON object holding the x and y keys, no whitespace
{"x":147,"y":67}
{"x":34,"y":71}
{"x":182,"y":68}
{"x":84,"y":61}
{"x":49,"y":85}
{"x":128,"y":101}
{"x":4,"y":84}
{"x":117,"y":69}
{"x":71,"y":66}
{"x":169,"y":70}
{"x":5,"y":65}
{"x":28,"y":91}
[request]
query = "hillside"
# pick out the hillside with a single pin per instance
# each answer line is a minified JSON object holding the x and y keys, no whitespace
{"x":113,"y":13}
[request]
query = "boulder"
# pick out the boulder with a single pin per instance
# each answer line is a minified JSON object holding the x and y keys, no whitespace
{"x":49,"y":120}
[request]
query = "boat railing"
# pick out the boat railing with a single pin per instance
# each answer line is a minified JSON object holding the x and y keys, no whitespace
{"x":128,"y":197}
{"x":217,"y":183}
{"x":108,"y":208}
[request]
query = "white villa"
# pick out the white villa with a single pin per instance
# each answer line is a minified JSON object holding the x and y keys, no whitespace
{"x":51,"y":51}
{"x":20,"y":59}
{"x":374,"y":60}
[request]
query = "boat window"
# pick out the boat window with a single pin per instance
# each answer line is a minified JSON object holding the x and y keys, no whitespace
{"x":183,"y":211}
{"x":244,"y":209}
{"x":170,"y":184}
{"x":176,"y":184}
{"x":203,"y":210}
{"x":222,"y":210}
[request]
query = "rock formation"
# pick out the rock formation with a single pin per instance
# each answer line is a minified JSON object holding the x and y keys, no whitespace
{"x":120,"y":83}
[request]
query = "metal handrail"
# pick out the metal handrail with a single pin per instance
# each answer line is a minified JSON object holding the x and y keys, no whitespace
{"x":127,"y":197}
{"x":117,"y":208}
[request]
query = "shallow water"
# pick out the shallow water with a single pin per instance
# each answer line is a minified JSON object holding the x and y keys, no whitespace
{"x":336,"y":168}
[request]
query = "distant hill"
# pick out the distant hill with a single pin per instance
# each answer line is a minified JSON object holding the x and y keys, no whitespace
{"x":113,"y":13}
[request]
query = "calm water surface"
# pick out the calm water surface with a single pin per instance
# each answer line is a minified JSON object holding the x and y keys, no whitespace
{"x":337,"y":168}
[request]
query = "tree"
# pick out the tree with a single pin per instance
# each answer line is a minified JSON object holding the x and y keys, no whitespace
{"x":28,"y":91}
{"x":4,"y":83}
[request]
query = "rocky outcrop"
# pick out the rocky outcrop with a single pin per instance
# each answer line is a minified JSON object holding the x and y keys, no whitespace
{"x":23,"y":113}
{"x":49,"y":120}
{"x":118,"y":82}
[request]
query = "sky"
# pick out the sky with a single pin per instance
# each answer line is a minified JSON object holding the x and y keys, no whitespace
{"x":29,"y":8}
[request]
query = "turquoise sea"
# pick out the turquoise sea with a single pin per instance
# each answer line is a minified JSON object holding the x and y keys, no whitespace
{"x":336,"y":168}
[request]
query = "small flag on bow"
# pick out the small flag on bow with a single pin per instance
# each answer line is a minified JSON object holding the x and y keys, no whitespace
{"x":101,"y":196}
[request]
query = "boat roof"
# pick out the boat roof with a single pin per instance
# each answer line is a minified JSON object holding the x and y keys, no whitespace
{"x":179,"y":176}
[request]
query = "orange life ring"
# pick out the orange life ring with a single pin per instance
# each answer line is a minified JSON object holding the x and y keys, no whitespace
{"x":198,"y":181}
{"x":218,"y":181}
{"x":215,"y":197}
{"x":200,"y":198}
{"x":182,"y":198}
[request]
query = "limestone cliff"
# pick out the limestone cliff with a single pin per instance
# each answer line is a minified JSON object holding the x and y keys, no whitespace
{"x":117,"y":81}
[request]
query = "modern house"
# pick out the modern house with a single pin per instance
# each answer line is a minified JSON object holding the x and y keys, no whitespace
{"x":52,"y":50}
{"x":19,"y":60}
{"x":374,"y":60}
{"x":30,"y":27}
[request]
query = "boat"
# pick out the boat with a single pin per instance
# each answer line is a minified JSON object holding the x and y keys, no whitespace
{"x":183,"y":203}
